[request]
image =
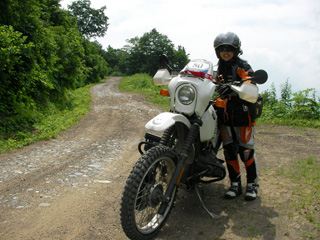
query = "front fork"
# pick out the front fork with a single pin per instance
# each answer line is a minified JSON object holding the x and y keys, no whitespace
{"x":194,"y":130}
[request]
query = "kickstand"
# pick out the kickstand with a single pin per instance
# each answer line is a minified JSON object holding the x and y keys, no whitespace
{"x":214,"y":216}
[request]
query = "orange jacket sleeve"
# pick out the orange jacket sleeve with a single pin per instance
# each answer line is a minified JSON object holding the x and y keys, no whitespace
{"x":242,"y":73}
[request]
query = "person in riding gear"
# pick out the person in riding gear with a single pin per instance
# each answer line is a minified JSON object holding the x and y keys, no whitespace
{"x":235,"y":120}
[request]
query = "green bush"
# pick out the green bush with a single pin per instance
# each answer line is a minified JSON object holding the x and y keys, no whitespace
{"x":295,"y":109}
{"x":52,"y":121}
{"x":42,"y":57}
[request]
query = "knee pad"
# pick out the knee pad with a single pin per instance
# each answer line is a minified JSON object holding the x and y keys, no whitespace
{"x":246,"y":154}
{"x":231,"y":151}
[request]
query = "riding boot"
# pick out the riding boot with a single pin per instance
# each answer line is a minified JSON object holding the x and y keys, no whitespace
{"x":252,"y":179}
{"x":235,"y":189}
{"x":235,"y":179}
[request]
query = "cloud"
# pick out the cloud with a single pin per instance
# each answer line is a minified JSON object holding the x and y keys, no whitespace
{"x":280,"y":36}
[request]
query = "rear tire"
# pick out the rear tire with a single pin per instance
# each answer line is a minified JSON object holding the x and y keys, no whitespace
{"x":148,"y":181}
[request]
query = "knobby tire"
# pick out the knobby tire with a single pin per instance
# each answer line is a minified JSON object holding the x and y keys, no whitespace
{"x":148,"y":179}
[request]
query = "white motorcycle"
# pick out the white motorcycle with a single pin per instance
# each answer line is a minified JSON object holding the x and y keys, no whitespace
{"x":186,"y":153}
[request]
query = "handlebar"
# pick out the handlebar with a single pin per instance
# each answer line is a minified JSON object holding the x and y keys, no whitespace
{"x":259,"y":77}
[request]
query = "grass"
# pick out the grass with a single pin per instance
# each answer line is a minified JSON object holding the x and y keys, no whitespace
{"x":305,"y":173}
{"x":52,"y":122}
{"x":55,"y":120}
{"x":143,"y":83}
{"x":269,"y":116}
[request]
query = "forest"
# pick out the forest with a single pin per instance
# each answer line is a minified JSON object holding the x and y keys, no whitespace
{"x":48,"y":53}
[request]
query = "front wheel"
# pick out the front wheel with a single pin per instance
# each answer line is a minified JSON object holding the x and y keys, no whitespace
{"x":141,"y":199}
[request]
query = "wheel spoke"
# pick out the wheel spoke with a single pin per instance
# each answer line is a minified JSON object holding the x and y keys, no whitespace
{"x":147,"y":218}
{"x":142,"y":201}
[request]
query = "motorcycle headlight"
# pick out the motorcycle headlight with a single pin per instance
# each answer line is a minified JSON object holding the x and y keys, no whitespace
{"x":186,"y":95}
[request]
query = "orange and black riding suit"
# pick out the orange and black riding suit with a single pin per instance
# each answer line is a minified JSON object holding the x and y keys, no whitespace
{"x":236,"y":123}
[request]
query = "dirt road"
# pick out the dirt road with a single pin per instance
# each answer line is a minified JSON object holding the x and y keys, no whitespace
{"x":70,"y":187}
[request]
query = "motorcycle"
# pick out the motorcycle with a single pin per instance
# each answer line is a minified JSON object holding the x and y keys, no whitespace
{"x":186,"y":153}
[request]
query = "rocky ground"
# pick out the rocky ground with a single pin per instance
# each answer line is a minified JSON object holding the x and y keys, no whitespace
{"x":70,"y":187}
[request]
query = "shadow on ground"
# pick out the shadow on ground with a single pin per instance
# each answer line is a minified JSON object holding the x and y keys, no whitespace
{"x":240,"y":219}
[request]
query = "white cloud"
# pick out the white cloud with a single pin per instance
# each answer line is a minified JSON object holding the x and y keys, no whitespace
{"x":281,"y":36}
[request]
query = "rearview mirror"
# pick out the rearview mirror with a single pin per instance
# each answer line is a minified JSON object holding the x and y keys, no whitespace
{"x":164,"y":60}
{"x":259,"y":77}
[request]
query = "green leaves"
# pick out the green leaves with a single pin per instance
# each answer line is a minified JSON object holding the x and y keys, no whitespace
{"x":54,"y":119}
{"x":305,"y":105}
{"x":142,"y":54}
{"x":12,"y":44}
{"x":91,"y":22}
{"x":301,"y":108}
{"x":42,"y":56}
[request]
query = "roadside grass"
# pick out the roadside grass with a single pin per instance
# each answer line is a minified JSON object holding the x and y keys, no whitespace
{"x":285,"y":121}
{"x":143,"y":83}
{"x":305,"y":175}
{"x":53,"y":121}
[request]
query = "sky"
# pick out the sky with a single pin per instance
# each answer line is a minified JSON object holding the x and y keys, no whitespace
{"x":279,"y":36}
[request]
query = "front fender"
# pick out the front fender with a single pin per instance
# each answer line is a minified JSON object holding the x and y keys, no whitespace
{"x":165,"y":120}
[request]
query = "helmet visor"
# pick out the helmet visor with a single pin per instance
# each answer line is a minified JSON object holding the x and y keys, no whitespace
{"x":226,"y":48}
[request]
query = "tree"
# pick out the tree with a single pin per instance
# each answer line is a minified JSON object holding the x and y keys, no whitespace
{"x":15,"y":77}
{"x":42,"y":55}
{"x":180,"y":58}
{"x":91,"y":22}
{"x":96,"y":66}
{"x":144,"y":53}
{"x":117,"y":60}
